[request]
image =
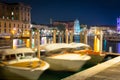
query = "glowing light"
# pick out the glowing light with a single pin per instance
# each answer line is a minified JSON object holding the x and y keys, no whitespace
{"x":43,"y":40}
{"x":14,"y":43}
{"x":33,"y":45}
{"x":97,"y":41}
{"x":12,"y":13}
{"x":27,"y":43}
{"x":13,"y":31}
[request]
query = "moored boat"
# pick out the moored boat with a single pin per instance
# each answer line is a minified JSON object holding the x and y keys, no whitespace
{"x":96,"y":57}
{"x":61,"y":58}
{"x":67,"y":61}
{"x":23,"y":62}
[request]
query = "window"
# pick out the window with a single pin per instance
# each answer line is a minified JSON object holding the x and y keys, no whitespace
{"x":9,"y":25}
{"x":13,"y":56}
{"x":25,"y":26}
{"x":4,"y":30}
{"x":12,"y":17}
{"x":22,"y":26}
{"x":5,"y":24}
{"x":18,"y":25}
{"x":14,"y":25}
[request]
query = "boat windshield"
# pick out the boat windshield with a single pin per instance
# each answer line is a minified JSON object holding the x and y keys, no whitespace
{"x":25,"y":55}
{"x":8,"y":57}
{"x":29,"y":55}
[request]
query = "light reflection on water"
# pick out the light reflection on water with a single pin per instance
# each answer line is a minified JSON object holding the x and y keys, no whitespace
{"x":118,"y":45}
{"x":106,"y":44}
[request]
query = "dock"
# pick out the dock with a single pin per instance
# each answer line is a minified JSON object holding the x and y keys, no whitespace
{"x":108,"y":70}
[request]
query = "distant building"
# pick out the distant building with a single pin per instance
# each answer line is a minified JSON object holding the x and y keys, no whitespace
{"x":83,"y":26}
{"x":66,"y":24}
{"x":104,"y":28}
{"x":77,"y":27}
{"x":118,"y":24}
{"x":14,"y":17}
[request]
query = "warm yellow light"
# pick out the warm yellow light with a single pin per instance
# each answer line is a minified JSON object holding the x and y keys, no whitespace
{"x":27,"y":43}
{"x":97,"y":41}
{"x":12,"y":31}
{"x":28,"y":33}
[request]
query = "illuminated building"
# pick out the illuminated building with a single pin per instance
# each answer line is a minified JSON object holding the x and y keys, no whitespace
{"x":76,"y":27}
{"x":14,"y":16}
{"x":66,"y":24}
{"x":118,"y":24}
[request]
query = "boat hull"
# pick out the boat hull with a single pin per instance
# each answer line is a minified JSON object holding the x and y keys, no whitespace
{"x":24,"y":74}
{"x":95,"y":59}
{"x":65,"y":64}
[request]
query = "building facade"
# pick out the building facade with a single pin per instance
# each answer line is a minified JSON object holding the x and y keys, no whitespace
{"x":14,"y":18}
{"x":67,"y":24}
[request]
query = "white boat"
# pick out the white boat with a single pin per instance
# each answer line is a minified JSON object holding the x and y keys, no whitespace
{"x":64,"y":61}
{"x":67,"y":61}
{"x":96,"y":57}
{"x":56,"y":46}
{"x":23,"y":62}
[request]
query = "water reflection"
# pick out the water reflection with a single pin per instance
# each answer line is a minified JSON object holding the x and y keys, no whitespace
{"x":104,"y":45}
{"x":44,"y":40}
{"x":118,"y":47}
{"x":18,"y":43}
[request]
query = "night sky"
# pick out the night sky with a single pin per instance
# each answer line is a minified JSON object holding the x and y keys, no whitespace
{"x":90,"y":12}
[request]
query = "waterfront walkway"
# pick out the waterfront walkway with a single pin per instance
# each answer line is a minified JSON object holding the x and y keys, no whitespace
{"x":109,"y":70}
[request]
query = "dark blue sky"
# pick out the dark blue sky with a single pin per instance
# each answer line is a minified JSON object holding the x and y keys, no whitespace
{"x":90,"y":12}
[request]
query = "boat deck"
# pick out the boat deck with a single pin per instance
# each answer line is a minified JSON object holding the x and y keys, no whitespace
{"x":108,"y":70}
{"x":30,"y":64}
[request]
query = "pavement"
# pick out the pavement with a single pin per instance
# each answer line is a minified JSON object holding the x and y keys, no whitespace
{"x":109,"y":70}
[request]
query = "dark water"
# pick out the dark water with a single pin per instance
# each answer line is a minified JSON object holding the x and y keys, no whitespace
{"x":115,"y":46}
{"x":47,"y":75}
{"x":58,"y":75}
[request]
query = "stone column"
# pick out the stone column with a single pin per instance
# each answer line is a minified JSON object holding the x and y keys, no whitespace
{"x":30,"y":38}
{"x":85,"y":37}
{"x":81,"y":37}
{"x":101,"y":41}
{"x":38,"y":44}
{"x":71,"y":36}
{"x":66,"y":34}
{"x":35,"y":39}
{"x":54,"y":36}
{"x":62,"y":36}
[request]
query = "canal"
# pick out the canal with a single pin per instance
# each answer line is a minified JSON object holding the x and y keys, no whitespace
{"x":57,"y":75}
